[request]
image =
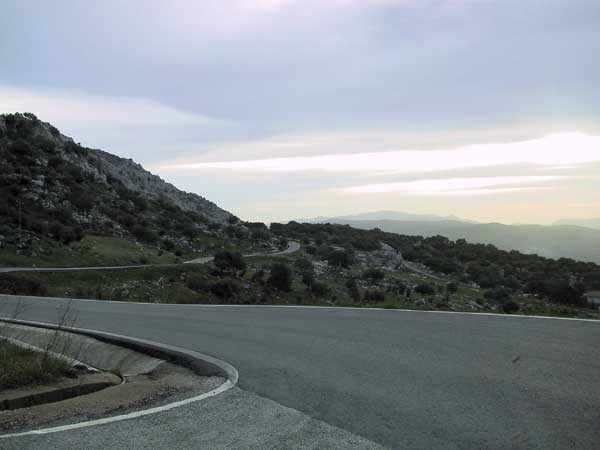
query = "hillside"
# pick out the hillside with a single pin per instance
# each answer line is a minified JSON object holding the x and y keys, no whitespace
{"x":55,"y":191}
{"x":550,"y":241}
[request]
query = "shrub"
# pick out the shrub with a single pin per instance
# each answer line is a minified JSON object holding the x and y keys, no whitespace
{"x":509,"y":307}
{"x":353,"y":290}
{"x":340,"y":258}
{"x":144,"y":234}
{"x":226,"y":260}
{"x":373,"y":275}
{"x":168,"y":245}
{"x":196,"y":283}
{"x":308,"y":278}
{"x":425,"y":289}
{"x":281,"y":277}
{"x":374,"y":296}
{"x":319,"y":289}
{"x":225,"y":289}
{"x":451,"y":287}
{"x":20,"y":285}
{"x":499,"y":294}
{"x":303,"y":265}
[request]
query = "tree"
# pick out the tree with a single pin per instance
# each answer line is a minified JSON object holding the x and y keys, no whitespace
{"x":229,"y":261}
{"x":281,"y":277}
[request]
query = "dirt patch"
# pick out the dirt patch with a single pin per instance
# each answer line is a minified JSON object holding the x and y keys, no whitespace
{"x":165,"y":384}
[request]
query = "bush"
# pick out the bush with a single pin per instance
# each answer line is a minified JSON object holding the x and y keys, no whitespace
{"x":319,"y":289}
{"x":340,"y":258}
{"x":281,"y":277}
{"x":451,"y":287}
{"x":226,"y":260}
{"x":374,"y":296}
{"x":144,"y":234}
{"x":168,"y":245}
{"x":373,"y":275}
{"x":425,"y":289}
{"x":225,"y":289}
{"x":499,"y":294}
{"x":20,"y":285}
{"x":353,"y":290}
{"x":509,"y":307}
{"x":308,"y":278}
{"x":196,"y":283}
{"x":303,"y":265}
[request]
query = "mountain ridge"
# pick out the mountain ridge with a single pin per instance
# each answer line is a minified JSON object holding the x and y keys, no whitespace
{"x":556,"y":241}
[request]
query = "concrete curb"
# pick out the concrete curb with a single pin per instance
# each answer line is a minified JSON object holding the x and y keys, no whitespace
{"x":199,"y":363}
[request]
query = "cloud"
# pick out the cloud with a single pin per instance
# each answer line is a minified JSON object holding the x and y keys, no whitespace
{"x":124,"y":125}
{"x":561,"y":149}
{"x":455,"y":186}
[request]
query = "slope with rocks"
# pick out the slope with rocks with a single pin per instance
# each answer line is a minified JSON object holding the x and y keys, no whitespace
{"x":53,"y":189}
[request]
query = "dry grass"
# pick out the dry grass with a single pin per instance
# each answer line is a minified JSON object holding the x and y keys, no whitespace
{"x":23,"y":367}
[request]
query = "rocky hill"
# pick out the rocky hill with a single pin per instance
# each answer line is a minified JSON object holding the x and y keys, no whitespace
{"x":52,"y":187}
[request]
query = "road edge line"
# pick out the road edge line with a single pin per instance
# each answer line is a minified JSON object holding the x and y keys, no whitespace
{"x":203,"y":365}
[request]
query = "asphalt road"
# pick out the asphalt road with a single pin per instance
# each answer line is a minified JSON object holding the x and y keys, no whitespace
{"x":406,"y":380}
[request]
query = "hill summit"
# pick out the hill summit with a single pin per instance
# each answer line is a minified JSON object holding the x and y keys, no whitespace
{"x":53,"y":188}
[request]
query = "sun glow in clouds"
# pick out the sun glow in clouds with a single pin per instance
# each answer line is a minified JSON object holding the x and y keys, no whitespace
{"x":553,"y":150}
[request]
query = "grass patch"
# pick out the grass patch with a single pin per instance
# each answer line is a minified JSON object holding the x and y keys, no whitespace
{"x":21,"y":367}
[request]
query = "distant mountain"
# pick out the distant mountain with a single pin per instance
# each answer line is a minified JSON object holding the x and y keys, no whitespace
{"x":387,"y":215}
{"x":551,"y":241}
{"x":589,"y":223}
{"x":52,"y":187}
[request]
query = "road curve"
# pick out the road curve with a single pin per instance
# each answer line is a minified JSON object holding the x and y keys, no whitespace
{"x":292,"y":247}
{"x":415,"y":380}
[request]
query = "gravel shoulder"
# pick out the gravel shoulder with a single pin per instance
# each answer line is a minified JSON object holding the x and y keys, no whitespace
{"x":235,"y":419}
{"x":166,"y":384}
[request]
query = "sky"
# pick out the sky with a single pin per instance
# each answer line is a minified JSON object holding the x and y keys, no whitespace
{"x":282,"y":109}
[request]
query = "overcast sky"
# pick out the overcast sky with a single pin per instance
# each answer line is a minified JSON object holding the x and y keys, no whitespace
{"x":280,"y":109}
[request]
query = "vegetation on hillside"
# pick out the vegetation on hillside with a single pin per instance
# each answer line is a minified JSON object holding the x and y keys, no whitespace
{"x":53,"y":192}
{"x":560,"y":281}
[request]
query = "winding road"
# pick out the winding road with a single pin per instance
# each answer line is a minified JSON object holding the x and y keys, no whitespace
{"x":405,"y":380}
{"x":292,"y":247}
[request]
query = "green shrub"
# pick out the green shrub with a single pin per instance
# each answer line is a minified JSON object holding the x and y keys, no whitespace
{"x":20,"y":285}
{"x":425,"y":289}
{"x":373,"y":275}
{"x":319,"y":289}
{"x":144,"y":234}
{"x":374,"y":296}
{"x":353,"y":290}
{"x":226,"y":288}
{"x":281,"y":277}
{"x":509,"y":307}
{"x":225,"y":261}
{"x":196,"y":283}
